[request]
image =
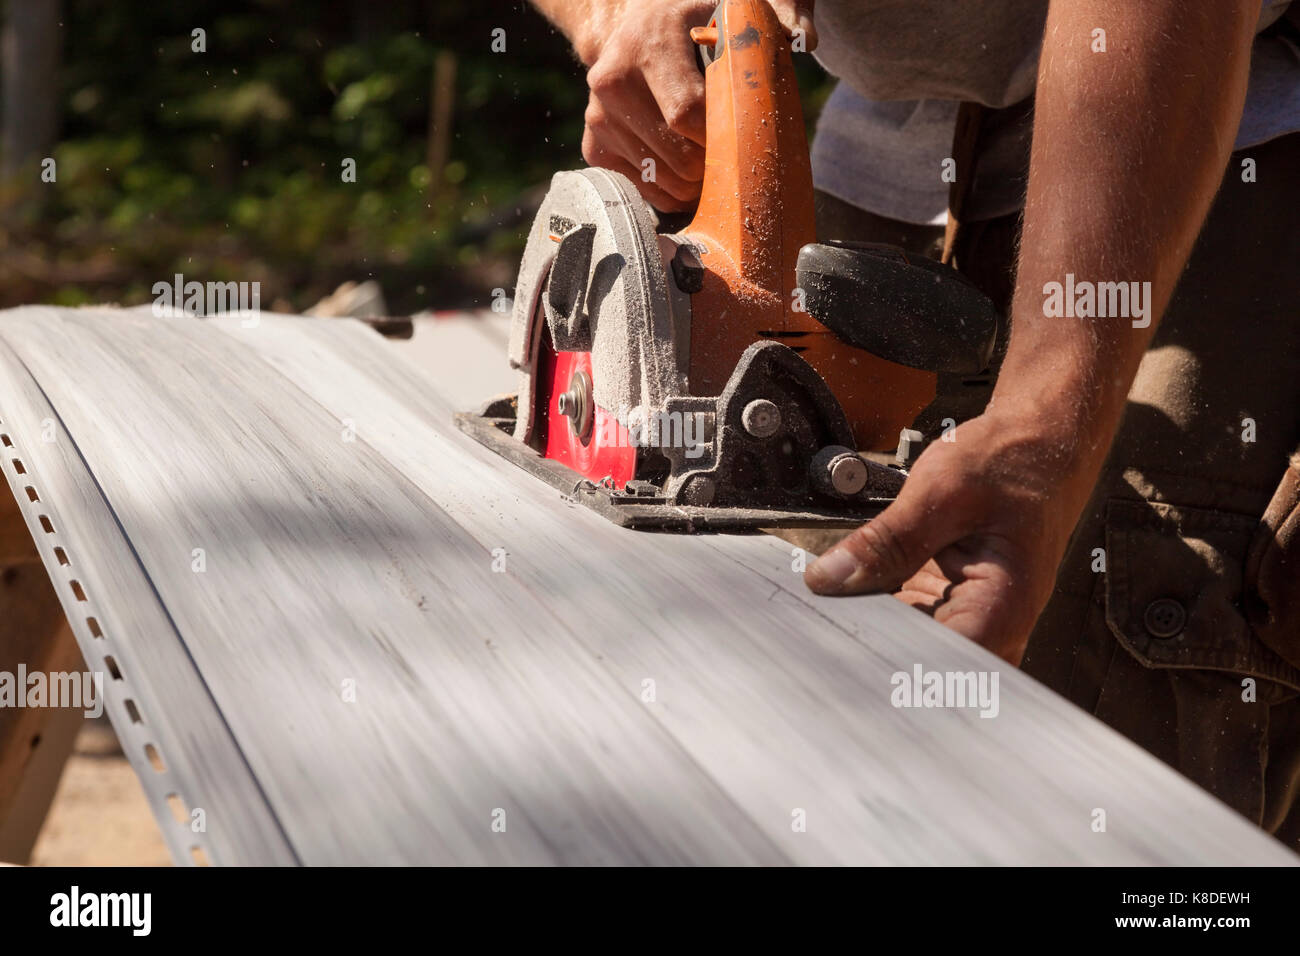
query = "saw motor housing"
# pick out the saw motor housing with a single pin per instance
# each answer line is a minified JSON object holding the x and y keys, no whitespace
{"x":723,"y":366}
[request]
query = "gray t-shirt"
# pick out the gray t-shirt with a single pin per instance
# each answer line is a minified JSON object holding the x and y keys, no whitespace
{"x":905,"y":65}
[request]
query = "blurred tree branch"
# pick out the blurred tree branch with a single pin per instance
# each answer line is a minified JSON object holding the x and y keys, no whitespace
{"x":30,"y":50}
{"x":442,"y":100}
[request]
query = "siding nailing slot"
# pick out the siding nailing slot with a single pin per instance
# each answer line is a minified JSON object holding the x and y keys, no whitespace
{"x":173,"y":799}
{"x":155,"y":759}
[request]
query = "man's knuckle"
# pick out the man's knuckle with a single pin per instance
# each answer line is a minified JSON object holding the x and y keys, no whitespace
{"x":596,"y":118}
{"x":591,"y":150}
{"x":876,"y":542}
{"x":603,"y":79}
{"x":681,"y":115}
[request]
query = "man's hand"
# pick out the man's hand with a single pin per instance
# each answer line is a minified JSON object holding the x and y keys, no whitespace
{"x":974,"y":537}
{"x":647,"y":93}
{"x":1129,"y":146}
{"x":647,"y":98}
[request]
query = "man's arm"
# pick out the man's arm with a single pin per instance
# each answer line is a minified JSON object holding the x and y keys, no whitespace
{"x":647,"y":94}
{"x":1129,"y":148}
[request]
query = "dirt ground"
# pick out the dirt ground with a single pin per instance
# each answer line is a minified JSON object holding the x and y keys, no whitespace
{"x":100,"y":816}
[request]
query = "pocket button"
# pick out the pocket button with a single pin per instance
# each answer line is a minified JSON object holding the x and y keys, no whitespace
{"x":1164,"y":618}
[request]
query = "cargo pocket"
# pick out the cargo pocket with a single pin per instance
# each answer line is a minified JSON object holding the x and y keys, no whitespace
{"x":1273,"y":570}
{"x":1177,"y":590}
{"x":1197,"y":686}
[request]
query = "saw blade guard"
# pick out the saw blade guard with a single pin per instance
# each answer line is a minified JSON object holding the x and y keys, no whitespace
{"x":592,"y":280}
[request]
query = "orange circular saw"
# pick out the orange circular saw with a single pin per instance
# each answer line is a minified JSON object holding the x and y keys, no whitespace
{"x":729,"y":374}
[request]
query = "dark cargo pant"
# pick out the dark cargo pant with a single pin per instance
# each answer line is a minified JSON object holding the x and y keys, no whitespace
{"x":1176,"y":613}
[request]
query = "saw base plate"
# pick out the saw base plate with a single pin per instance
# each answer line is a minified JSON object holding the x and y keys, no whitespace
{"x":649,"y":512}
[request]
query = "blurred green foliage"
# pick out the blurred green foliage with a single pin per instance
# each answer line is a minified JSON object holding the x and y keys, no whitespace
{"x":226,"y":164}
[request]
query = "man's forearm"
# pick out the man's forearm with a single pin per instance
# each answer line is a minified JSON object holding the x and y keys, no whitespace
{"x":575,"y":19}
{"x":1129,"y":147}
{"x":586,"y":22}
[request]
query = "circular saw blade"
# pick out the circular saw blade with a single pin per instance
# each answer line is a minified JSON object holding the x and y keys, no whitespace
{"x":605,"y":451}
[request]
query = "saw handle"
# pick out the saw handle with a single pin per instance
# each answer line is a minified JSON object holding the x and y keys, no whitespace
{"x":756,"y":201}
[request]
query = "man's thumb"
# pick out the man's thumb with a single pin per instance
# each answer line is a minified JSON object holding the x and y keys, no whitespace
{"x":880,"y":555}
{"x":797,"y":15}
